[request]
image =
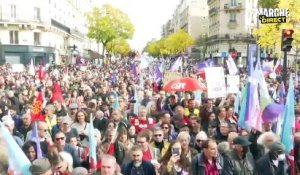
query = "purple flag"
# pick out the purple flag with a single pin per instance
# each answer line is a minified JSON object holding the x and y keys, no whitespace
{"x":158,"y":73}
{"x":134,"y":71}
{"x":35,"y":138}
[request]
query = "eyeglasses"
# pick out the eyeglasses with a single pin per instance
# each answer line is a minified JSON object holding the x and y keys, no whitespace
{"x":198,"y":140}
{"x":59,"y":138}
{"x":158,"y":135}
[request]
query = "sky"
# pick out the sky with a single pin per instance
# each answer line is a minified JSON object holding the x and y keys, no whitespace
{"x":147,"y":16}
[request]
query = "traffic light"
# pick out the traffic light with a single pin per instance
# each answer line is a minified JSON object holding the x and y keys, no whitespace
{"x":287,"y":39}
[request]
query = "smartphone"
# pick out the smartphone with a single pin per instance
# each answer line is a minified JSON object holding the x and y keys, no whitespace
{"x":175,"y":151}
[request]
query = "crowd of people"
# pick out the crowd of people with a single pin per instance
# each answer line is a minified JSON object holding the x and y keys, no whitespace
{"x":171,"y":134}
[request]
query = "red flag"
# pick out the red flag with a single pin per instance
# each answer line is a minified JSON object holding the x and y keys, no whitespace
{"x":42,"y":72}
{"x":36,"y":108}
{"x":57,"y":93}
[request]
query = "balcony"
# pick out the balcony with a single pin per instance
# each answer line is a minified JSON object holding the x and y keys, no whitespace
{"x":232,"y":24}
{"x":232,"y":7}
{"x":212,"y":11}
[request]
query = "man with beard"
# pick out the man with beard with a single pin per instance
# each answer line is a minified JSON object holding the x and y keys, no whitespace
{"x":138,"y":165}
{"x":241,"y":161}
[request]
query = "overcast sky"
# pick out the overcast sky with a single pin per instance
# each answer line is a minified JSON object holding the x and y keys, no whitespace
{"x":147,"y":16}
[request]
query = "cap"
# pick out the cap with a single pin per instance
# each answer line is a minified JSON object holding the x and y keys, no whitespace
{"x":241,"y":141}
{"x":278,"y":147}
{"x":80,"y":171}
{"x":67,"y":120}
{"x":40,"y":166}
{"x":73,"y":106}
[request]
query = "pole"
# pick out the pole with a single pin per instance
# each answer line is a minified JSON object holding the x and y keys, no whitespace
{"x":284,"y":69}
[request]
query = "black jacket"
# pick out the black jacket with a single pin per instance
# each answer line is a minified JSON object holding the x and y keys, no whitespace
{"x":265,"y":166}
{"x":198,"y":165}
{"x":147,"y":167}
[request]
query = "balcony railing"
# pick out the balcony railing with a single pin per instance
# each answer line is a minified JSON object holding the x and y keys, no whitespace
{"x":233,"y":7}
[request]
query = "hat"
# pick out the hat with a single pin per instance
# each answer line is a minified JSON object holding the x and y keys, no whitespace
{"x":241,"y":141}
{"x":276,"y":146}
{"x":40,"y":166}
{"x":73,"y":106}
{"x":67,"y":120}
{"x":80,"y":171}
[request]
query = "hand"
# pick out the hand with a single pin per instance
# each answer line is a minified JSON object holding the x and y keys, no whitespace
{"x":83,"y":132}
{"x":174,"y":158}
{"x":281,"y":157}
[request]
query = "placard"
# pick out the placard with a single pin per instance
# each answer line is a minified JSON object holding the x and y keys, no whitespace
{"x":17,"y":68}
{"x":169,"y":76}
{"x":233,"y":83}
{"x":215,"y":80}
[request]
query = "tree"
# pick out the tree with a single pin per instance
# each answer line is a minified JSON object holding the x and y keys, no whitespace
{"x":201,"y":42}
{"x":107,"y":24}
{"x":268,"y":3}
{"x":152,"y":48}
{"x":270,"y":34}
{"x":179,"y":41}
{"x":118,"y":46}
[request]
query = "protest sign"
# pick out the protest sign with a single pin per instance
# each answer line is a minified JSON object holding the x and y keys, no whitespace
{"x":215,"y":80}
{"x":169,"y":76}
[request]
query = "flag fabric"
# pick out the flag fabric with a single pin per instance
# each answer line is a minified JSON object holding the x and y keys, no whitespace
{"x":134,"y":71}
{"x":31,"y":68}
{"x":204,"y":64}
{"x":57,"y":93}
{"x":35,"y":138}
{"x":289,"y":119}
{"x":231,"y":66}
{"x":136,"y":104}
{"x":116,"y":103}
{"x":42,"y":72}
{"x":144,"y":63}
{"x":198,"y":96}
{"x":278,"y":67}
{"x":114,"y":78}
{"x":288,"y":125}
{"x":36,"y":108}
{"x":281,"y":116}
{"x":158,"y":75}
{"x":18,"y":161}
{"x":178,"y":63}
{"x":242,"y":112}
{"x":92,"y":145}
{"x":237,"y":103}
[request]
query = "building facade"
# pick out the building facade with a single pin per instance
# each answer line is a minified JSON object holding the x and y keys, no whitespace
{"x":190,"y":15}
{"x":231,"y":24}
{"x":43,"y":30}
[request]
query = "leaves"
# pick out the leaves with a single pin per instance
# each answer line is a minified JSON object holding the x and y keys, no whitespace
{"x":173,"y":44}
{"x":107,"y":24}
{"x":270,"y":34}
{"x":118,"y":46}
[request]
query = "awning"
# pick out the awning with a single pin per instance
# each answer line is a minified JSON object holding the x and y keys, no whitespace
{"x":94,"y":54}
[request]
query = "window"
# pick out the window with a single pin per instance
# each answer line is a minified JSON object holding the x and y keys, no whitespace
{"x":232,"y":17}
{"x":233,"y":2}
{"x":14,"y":37}
{"x":13,"y":14}
{"x":37,"y":38}
{"x":37,"y":14}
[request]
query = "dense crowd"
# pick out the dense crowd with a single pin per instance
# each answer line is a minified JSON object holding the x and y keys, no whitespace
{"x":171,"y":134}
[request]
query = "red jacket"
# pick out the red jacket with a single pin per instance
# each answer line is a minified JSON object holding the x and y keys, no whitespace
{"x":142,"y":124}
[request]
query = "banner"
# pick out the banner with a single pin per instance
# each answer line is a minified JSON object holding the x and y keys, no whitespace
{"x":168,"y":76}
{"x":17,"y":68}
{"x":215,"y":80}
{"x":233,"y":83}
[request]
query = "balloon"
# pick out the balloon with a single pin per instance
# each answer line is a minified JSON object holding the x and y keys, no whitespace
{"x":271,"y":112}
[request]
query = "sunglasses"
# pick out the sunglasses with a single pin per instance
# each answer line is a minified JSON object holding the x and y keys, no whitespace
{"x":158,"y":135}
{"x":165,"y":127}
{"x":198,"y":140}
{"x":60,"y":138}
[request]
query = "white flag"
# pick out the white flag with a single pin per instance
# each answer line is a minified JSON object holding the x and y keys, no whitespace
{"x":231,"y":66}
{"x":31,"y":68}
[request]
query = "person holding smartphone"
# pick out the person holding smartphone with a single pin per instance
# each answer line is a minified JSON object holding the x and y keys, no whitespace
{"x":174,"y":162}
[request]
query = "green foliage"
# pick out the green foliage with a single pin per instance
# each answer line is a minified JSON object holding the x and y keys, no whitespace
{"x":270,"y":34}
{"x":268,"y":3}
{"x":106,"y":24}
{"x":118,"y":46}
{"x":173,"y":44}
